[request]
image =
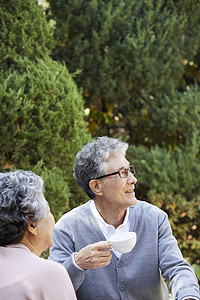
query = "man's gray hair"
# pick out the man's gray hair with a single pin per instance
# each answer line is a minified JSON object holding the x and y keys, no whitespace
{"x":91,"y":161}
{"x":20,"y":200}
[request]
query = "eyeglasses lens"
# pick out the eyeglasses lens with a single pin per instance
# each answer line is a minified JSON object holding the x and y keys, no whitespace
{"x":124,"y":172}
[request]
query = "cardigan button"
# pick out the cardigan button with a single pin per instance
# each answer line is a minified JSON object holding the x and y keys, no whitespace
{"x":121,"y":287}
{"x":119,"y":264}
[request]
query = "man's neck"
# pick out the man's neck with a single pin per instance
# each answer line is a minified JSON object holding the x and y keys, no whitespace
{"x":111,"y":216}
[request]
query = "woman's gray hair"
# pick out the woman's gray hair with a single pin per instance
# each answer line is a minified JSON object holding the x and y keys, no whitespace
{"x":91,"y":161}
{"x":21,"y":200}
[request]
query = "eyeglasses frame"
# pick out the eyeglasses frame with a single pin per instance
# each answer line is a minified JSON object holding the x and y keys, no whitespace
{"x":118,"y":172}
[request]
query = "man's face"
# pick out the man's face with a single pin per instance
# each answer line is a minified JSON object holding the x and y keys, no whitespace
{"x":117,"y":191}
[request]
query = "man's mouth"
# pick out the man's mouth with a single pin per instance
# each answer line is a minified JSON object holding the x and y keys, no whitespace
{"x":130,"y":191}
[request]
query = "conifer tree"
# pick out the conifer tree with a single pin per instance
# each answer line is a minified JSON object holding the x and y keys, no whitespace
{"x":24,"y":32}
{"x":140,"y":76}
{"x":128,"y":51}
{"x":168,"y":175}
{"x":41,"y":108}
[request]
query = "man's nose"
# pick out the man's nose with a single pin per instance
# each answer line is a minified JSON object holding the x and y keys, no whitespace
{"x":132,"y":179}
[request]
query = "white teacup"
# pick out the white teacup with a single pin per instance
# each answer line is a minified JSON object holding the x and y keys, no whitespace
{"x":123,"y":242}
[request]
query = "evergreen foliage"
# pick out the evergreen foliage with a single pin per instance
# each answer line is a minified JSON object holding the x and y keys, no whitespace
{"x":125,"y":46}
{"x":24,"y":32}
{"x":170,"y":180}
{"x":41,"y":110}
{"x":140,"y":76}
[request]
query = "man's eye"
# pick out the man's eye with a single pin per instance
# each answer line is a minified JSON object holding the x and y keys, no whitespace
{"x":123,"y":171}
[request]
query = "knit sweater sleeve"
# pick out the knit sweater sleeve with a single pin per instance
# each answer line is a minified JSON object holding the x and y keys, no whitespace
{"x":176,"y":270}
{"x":63,"y":251}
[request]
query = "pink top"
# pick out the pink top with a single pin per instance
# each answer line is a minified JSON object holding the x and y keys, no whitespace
{"x":23,"y":275}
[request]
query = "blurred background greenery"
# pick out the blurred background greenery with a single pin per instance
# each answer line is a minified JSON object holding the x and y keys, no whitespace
{"x":71,"y":70}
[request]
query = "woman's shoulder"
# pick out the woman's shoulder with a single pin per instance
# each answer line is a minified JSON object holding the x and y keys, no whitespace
{"x":51,"y":268}
{"x":53,"y":279}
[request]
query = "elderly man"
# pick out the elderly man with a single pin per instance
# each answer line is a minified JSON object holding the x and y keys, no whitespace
{"x":81,"y":236}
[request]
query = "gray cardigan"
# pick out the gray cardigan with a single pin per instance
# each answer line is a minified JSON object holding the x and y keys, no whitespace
{"x":137,"y":274}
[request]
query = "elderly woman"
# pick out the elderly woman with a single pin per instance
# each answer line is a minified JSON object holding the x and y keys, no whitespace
{"x":107,"y":177}
{"x":26,"y":226}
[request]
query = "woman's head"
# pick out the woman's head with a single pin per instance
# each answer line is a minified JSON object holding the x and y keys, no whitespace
{"x":91,"y":161}
{"x":21,"y":202}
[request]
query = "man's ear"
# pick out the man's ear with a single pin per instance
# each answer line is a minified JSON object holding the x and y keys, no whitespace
{"x":96,"y":187}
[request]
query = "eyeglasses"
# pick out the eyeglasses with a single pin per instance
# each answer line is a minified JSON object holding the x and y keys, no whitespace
{"x":123,"y":173}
